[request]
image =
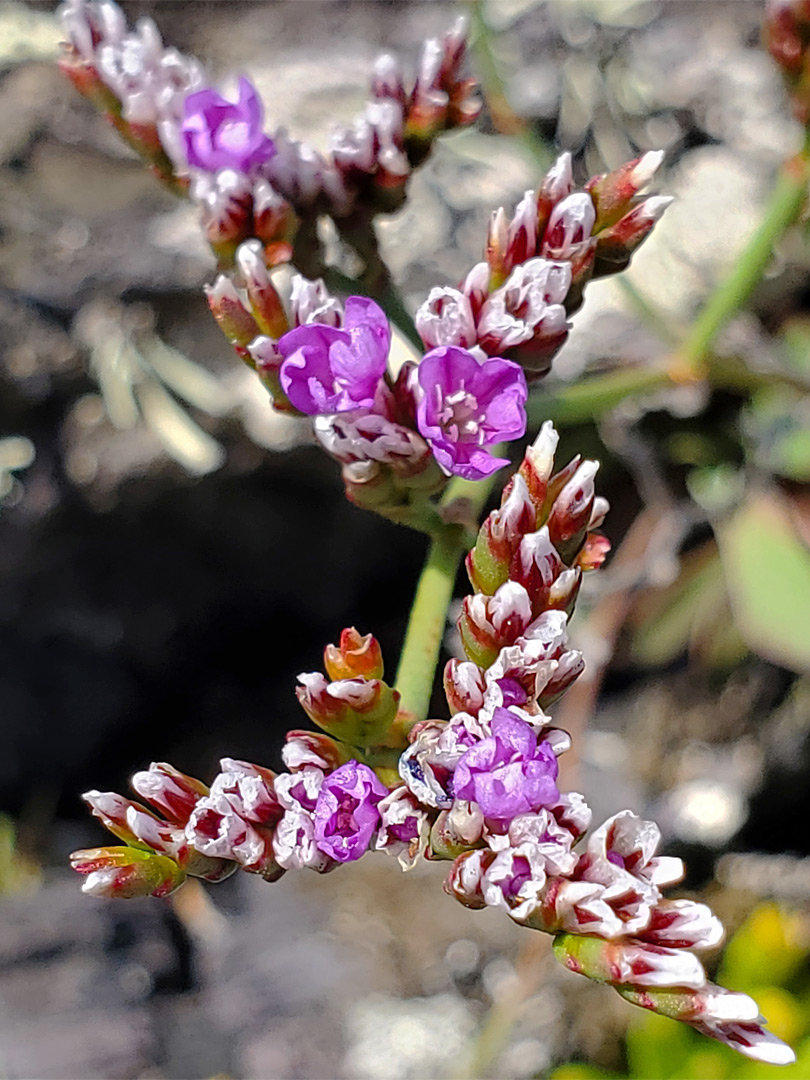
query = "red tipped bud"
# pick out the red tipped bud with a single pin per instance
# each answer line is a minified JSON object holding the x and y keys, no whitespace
{"x":613,"y":193}
{"x":594,"y":552}
{"x":357,"y":655}
{"x":125,"y":872}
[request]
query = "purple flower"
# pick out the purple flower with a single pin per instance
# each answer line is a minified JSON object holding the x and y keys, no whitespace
{"x":346,"y":813}
{"x":330,"y":370}
{"x":466,"y":405}
{"x":219,"y":134}
{"x":508,"y":773}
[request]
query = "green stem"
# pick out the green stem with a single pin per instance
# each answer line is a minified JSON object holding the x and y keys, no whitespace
{"x":785,"y":205}
{"x":423,"y":638}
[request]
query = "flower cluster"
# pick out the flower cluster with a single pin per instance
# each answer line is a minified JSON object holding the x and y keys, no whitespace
{"x":329,"y":360}
{"x":247,"y":183}
{"x":516,"y":303}
{"x":480,"y":789}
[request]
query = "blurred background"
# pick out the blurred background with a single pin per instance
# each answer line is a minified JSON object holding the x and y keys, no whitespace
{"x":173,"y":554}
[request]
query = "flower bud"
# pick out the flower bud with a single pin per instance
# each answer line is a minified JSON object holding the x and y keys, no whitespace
{"x":536,"y":566}
{"x":217,"y":830}
{"x":125,"y":872}
{"x":521,"y":237}
{"x":464,"y":686}
{"x":489,"y":623}
{"x":594,"y":552}
{"x":232,"y":315}
{"x":613,"y":193}
{"x":476,"y":287}
{"x":310,"y":302}
{"x":404,"y":827}
{"x":499,"y":537}
{"x":357,"y":711}
{"x":568,"y":233}
{"x":265,"y":303}
{"x":568,"y":668}
{"x":628,"y":962}
{"x":446,"y":318}
{"x":555,"y":186}
{"x":386,"y":79}
{"x":274,"y":220}
{"x":456,"y":830}
{"x":537,"y":467}
{"x":465,"y":880}
{"x":304,"y":748}
{"x":571,"y":512}
{"x":226,"y":210}
{"x":615,"y":245}
{"x":358,"y":655}
{"x":172,"y":792}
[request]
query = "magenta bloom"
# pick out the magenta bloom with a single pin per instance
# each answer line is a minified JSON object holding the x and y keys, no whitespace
{"x":466,"y":406}
{"x":346,"y":813}
{"x":219,"y":134}
{"x":330,"y":370}
{"x":508,"y":773}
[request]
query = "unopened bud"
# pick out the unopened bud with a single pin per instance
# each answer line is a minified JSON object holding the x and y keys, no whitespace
{"x":465,"y":880}
{"x":274,"y":219}
{"x":569,"y":228}
{"x":615,"y":245}
{"x":357,"y":655}
{"x":304,"y":748}
{"x":613,"y":193}
{"x":386,"y":79}
{"x":629,"y":963}
{"x":538,"y":464}
{"x":172,"y":792}
{"x":464,"y":686}
{"x":126,"y":872}
{"x":536,"y":565}
{"x":232,"y":315}
{"x":571,"y":512}
{"x":357,"y":711}
{"x":265,"y":303}
{"x":555,"y":186}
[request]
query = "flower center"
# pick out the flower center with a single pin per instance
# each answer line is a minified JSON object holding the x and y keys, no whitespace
{"x":461,"y":417}
{"x":233,"y":135}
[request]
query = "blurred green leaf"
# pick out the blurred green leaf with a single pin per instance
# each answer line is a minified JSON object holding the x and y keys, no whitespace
{"x":657,"y":1047}
{"x":777,"y":423}
{"x":576,"y":1070}
{"x":691,"y":614}
{"x":767,"y":571}
{"x":796,"y":339}
{"x":767,"y":950}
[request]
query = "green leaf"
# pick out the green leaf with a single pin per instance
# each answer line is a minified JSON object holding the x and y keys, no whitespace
{"x":767,"y":572}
